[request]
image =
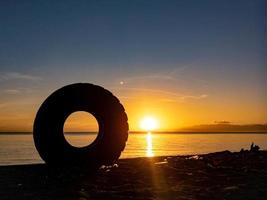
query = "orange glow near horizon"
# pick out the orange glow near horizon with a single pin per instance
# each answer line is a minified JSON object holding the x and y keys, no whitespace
{"x":171,"y":113}
{"x":81,"y":121}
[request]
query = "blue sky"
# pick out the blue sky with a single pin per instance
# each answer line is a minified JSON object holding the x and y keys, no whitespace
{"x":212,"y":50}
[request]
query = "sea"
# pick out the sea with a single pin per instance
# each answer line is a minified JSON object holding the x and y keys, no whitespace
{"x":18,"y":148}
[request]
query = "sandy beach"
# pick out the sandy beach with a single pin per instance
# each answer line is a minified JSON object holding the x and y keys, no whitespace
{"x":221,"y":175}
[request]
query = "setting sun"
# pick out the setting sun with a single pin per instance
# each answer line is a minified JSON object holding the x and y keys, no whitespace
{"x":149,"y":123}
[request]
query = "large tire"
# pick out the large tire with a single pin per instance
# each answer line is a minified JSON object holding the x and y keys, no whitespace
{"x":49,"y":122}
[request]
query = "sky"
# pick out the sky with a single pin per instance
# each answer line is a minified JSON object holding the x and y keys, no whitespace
{"x":182,"y":62}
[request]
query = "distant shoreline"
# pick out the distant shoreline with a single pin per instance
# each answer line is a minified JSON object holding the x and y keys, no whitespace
{"x":154,"y":132}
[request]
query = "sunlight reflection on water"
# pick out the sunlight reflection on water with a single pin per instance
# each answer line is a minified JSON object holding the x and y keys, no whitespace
{"x":149,"y":145}
{"x":19,"y":148}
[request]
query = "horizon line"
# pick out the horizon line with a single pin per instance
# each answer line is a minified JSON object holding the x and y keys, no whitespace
{"x":155,"y":132}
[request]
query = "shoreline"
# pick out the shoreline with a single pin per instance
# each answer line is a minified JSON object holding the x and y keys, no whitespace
{"x":220,"y":175}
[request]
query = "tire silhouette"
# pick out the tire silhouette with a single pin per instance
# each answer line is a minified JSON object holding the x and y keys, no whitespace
{"x":49,"y":122}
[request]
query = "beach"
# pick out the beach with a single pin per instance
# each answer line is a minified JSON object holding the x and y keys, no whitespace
{"x":221,"y":175}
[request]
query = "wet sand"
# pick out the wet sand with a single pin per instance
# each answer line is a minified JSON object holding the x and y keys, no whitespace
{"x":222,"y":175}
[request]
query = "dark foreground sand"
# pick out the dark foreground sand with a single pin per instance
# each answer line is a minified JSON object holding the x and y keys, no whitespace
{"x":222,"y":175}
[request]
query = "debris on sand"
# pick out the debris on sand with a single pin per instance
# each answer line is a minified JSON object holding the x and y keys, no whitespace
{"x":221,"y":175}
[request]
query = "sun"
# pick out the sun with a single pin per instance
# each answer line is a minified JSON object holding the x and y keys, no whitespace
{"x":148,"y":124}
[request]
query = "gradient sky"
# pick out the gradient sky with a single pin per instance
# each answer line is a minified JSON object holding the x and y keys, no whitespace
{"x":182,"y":62}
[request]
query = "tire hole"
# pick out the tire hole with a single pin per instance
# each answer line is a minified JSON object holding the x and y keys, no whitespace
{"x":80,"y":129}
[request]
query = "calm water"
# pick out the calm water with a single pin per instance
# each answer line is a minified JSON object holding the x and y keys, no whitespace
{"x":19,"y":149}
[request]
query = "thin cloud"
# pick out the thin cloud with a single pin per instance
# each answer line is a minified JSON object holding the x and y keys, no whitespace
{"x":19,"y":90}
{"x":3,"y":105}
{"x":222,"y":122}
{"x":131,"y":79}
{"x":19,"y":102}
{"x":202,"y":96}
{"x":12,"y":91}
{"x":16,"y":75}
{"x":170,"y":75}
{"x":172,"y":96}
{"x":175,"y":74}
{"x":153,"y":76}
{"x":183,"y":98}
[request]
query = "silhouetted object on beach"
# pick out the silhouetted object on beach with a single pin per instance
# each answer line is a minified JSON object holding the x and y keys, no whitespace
{"x":111,"y":117}
{"x":254,"y":148}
